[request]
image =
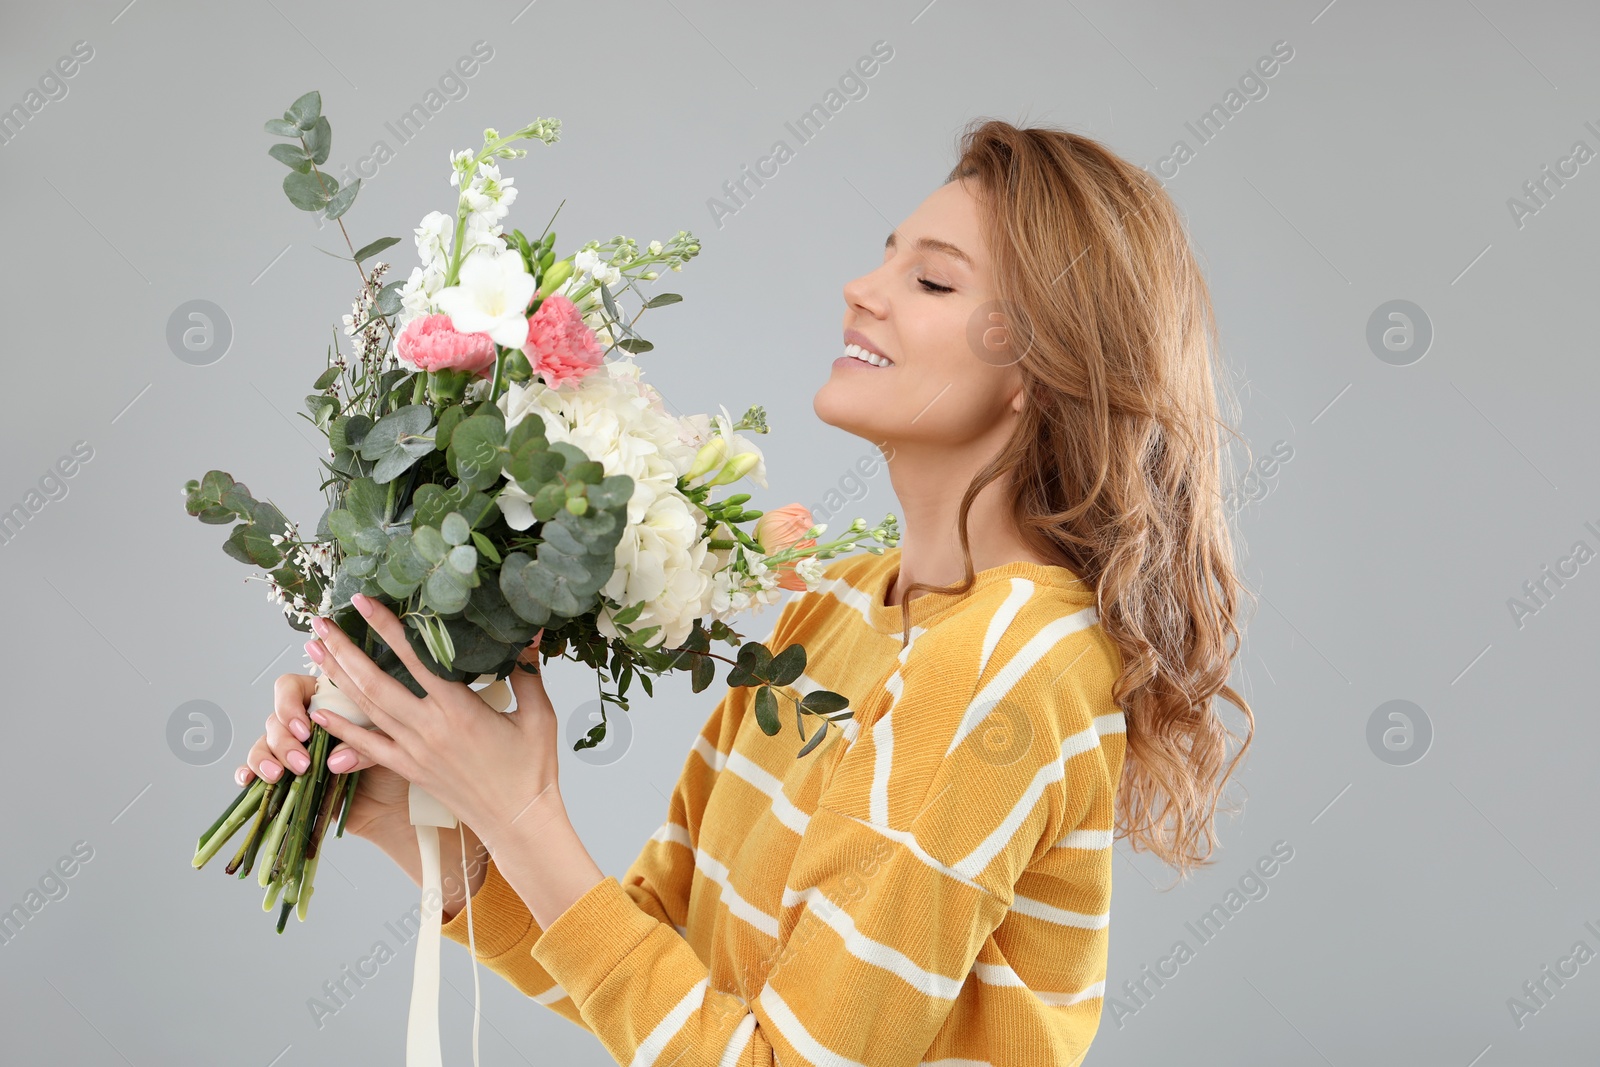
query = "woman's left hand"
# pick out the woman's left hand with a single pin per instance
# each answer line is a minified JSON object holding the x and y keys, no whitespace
{"x":487,"y":767}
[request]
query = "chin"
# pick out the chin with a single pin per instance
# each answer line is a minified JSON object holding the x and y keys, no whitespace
{"x":851,"y":413}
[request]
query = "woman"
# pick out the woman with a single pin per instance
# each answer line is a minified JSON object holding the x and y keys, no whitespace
{"x":933,"y":882}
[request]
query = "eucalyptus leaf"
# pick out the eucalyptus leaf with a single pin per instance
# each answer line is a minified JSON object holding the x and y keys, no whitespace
{"x":282,"y":128}
{"x":661,"y":299}
{"x":291,"y":156}
{"x":305,"y":111}
{"x":455,"y":528}
{"x":309,"y":192}
{"x":374,"y":248}
{"x":767,"y":711}
{"x":340,"y":202}
{"x":319,"y":139}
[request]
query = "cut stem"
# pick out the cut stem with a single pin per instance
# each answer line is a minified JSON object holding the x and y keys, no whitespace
{"x":227,"y":827}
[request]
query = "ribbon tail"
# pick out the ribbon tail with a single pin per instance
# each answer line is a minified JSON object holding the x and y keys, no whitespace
{"x":423,"y":1047}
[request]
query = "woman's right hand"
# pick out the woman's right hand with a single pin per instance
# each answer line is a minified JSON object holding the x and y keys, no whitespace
{"x":382,"y":799}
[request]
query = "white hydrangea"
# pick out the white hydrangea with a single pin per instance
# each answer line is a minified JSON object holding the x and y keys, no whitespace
{"x":616,"y":418}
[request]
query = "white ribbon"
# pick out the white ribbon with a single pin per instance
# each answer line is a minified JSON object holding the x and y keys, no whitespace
{"x":423,"y":1047}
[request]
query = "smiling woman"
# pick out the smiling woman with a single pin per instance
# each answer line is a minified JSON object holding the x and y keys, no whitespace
{"x":1036,"y":667}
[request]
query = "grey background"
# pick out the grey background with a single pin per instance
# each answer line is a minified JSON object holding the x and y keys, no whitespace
{"x":1417,"y":501}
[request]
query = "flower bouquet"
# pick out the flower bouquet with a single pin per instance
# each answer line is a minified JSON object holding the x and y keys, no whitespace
{"x":496,"y":466}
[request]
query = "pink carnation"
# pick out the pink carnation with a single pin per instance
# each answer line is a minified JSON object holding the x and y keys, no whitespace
{"x":432,"y":343}
{"x":560,"y":347}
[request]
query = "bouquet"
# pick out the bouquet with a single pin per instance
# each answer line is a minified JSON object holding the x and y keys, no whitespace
{"x":497,"y":466}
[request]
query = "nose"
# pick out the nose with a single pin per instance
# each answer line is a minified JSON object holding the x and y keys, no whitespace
{"x":863,"y":294}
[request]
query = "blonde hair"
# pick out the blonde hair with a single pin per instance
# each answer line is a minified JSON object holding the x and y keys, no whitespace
{"x":1116,"y":467}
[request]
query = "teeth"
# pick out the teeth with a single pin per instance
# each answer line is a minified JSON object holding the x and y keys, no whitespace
{"x":870,"y":357}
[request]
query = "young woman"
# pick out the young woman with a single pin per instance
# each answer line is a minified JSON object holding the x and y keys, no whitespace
{"x":1031,"y":671}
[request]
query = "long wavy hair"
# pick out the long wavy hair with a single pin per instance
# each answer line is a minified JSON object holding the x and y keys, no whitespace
{"x":1116,"y":467}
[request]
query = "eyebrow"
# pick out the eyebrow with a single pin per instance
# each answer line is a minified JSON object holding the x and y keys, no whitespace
{"x":933,"y":244}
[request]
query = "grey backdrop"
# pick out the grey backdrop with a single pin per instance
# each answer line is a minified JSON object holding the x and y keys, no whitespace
{"x":1414,"y":492}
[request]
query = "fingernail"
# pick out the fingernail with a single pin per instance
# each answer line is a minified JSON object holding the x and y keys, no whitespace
{"x":363,"y":605}
{"x":339,"y":761}
{"x":298,"y":762}
{"x":300,"y":729}
{"x":270,"y":770}
{"x":314,"y":650}
{"x":238,"y":775}
{"x":319,"y":718}
{"x":320,"y":625}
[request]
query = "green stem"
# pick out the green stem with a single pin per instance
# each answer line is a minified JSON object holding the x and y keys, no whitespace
{"x":275,"y":835}
{"x":220,"y":818}
{"x":349,"y":796}
{"x":235,"y":819}
{"x":263,"y":816}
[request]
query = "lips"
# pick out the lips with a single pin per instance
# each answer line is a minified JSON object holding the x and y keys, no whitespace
{"x":858,"y":339}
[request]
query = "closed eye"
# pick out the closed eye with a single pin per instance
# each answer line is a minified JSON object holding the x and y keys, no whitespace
{"x":935,"y":286}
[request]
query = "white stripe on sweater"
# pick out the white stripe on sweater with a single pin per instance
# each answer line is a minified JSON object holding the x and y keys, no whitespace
{"x":1001,"y":974}
{"x":1021,"y":590}
{"x":872,"y":952}
{"x":782,"y":807}
{"x":651,"y":1047}
{"x":997,"y":689}
{"x":793,"y":1030}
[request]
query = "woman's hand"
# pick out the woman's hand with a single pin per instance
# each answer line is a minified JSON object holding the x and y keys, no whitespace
{"x":382,"y":799}
{"x":489,"y":768}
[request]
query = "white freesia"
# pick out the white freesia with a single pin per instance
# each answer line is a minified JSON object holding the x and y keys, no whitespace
{"x":491,"y":297}
{"x":738,"y":445}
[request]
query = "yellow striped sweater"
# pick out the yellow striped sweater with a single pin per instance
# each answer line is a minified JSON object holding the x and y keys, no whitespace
{"x":930,"y":884}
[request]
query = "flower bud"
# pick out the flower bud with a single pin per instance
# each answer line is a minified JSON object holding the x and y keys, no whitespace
{"x":518,"y":369}
{"x":737,"y":468}
{"x":558,"y":273}
{"x":710,"y":455}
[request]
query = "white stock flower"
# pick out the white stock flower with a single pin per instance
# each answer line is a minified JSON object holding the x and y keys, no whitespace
{"x":492,"y":297}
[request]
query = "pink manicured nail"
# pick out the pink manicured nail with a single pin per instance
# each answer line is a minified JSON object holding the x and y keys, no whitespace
{"x":319,"y":718}
{"x":298,"y":762}
{"x":270,"y":770}
{"x":314,"y":650}
{"x":239,"y":775}
{"x":340,"y":761}
{"x":300,"y":729}
{"x":320,"y":625}
{"x":363,"y":604}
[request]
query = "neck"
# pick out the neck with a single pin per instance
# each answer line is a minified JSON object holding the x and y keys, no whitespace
{"x":929,"y":484}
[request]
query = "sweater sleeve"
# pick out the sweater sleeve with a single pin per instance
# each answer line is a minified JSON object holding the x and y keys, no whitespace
{"x":903,"y":870}
{"x":657,"y":884}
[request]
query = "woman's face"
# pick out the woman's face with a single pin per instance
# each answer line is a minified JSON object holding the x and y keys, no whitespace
{"x":929,"y":308}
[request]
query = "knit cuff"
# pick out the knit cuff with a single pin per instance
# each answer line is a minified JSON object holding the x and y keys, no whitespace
{"x":588,"y":940}
{"x":500,"y":919}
